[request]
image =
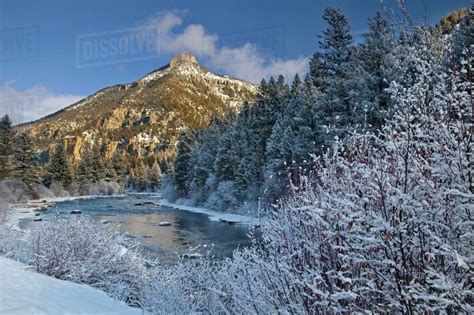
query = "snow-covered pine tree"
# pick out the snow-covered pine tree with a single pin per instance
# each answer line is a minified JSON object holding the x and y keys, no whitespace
{"x":282,"y":86}
{"x":6,"y":146}
{"x":304,"y":144}
{"x":202,"y":161}
{"x":262,"y":117}
{"x":276,"y":168}
{"x":334,"y":113}
{"x":386,"y":225}
{"x":371,"y":71}
{"x":26,"y":166}
{"x":247,"y":189}
{"x":335,"y":43}
{"x":85,"y":173}
{"x":154,"y":175}
{"x":59,"y":168}
{"x":317,"y":72}
{"x":109,"y":172}
{"x":181,"y":167}
{"x":141,"y":176}
{"x":97,"y":164}
{"x":226,"y":161}
{"x":115,"y":168}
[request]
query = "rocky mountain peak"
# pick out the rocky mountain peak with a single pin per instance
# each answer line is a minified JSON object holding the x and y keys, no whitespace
{"x":183,"y":58}
{"x":145,"y":118}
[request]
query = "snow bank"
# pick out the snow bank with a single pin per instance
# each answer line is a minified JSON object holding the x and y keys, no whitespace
{"x":23,"y":291}
{"x":214,"y":215}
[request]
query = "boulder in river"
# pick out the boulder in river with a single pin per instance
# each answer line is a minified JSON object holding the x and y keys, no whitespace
{"x":228,"y":221}
{"x":42,"y":209}
{"x":144,"y":203}
{"x":193,"y":255}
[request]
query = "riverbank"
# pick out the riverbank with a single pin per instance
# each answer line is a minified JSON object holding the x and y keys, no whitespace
{"x":30,"y":208}
{"x":214,"y":215}
{"x":232,"y":218}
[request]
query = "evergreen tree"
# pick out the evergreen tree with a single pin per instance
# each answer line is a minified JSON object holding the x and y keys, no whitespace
{"x":90,"y":169}
{"x":59,"y":169}
{"x":371,"y":73}
{"x":334,"y":113}
{"x":6,"y":146}
{"x":131,"y":183}
{"x":304,"y":144}
{"x":317,"y":72}
{"x":335,"y":43}
{"x":114,"y":169}
{"x":282,"y":85}
{"x":181,"y":166}
{"x":26,"y":166}
{"x":85,"y":173}
{"x":276,"y":168}
{"x":140,"y":173}
{"x":97,"y":165}
{"x":109,"y":173}
{"x":225,"y":164}
{"x":155,"y":175}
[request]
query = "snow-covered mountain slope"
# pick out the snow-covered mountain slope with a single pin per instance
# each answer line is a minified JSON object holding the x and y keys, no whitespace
{"x":24,"y":291}
{"x":147,"y":116}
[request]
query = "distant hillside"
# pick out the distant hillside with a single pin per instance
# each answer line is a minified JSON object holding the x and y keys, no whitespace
{"x":146,"y":117}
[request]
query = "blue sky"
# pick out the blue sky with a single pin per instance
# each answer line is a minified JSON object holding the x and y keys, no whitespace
{"x":44,"y":65}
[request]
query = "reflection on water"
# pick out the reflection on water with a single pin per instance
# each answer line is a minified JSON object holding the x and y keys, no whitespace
{"x":137,"y":216}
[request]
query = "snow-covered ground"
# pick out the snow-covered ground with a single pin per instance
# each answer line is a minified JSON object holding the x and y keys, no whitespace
{"x":214,"y":215}
{"x":23,"y":291}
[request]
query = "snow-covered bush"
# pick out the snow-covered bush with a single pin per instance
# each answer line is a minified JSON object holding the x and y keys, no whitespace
{"x":13,"y":243}
{"x":167,"y":188}
{"x":84,"y":251}
{"x":188,"y":287}
{"x":14,"y":190}
{"x":102,"y":188}
{"x":224,"y":197}
{"x":387,"y":224}
{"x":58,"y":190}
{"x":4,"y":208}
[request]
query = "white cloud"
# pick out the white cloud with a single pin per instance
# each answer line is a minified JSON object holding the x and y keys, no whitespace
{"x":245,"y":61}
{"x":32,"y":103}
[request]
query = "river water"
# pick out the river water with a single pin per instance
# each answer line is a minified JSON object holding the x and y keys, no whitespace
{"x":139,"y":216}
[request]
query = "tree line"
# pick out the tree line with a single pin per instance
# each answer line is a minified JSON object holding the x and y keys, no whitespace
{"x":269,"y":144}
{"x":18,"y":160}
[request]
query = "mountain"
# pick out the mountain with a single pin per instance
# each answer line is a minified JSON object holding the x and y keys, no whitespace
{"x":145,"y":117}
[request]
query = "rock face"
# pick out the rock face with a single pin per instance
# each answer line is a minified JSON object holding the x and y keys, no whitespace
{"x":183,"y":58}
{"x":145,"y":117}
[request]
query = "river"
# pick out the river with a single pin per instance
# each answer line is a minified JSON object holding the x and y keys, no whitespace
{"x":139,"y":216}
